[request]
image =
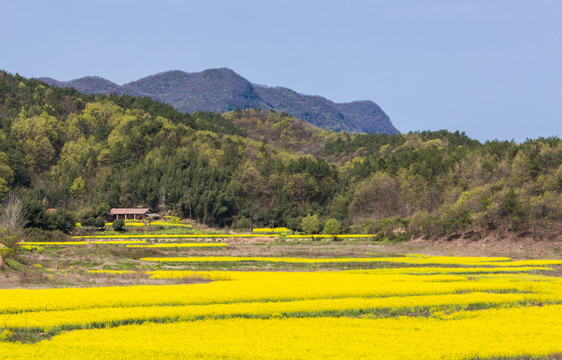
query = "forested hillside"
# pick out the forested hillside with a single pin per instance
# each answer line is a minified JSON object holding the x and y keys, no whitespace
{"x":221,"y":90}
{"x":85,"y":153}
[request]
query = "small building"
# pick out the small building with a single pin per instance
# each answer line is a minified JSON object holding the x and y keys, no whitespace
{"x":128,"y":214}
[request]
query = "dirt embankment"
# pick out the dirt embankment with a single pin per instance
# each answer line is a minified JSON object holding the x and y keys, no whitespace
{"x":511,"y":245}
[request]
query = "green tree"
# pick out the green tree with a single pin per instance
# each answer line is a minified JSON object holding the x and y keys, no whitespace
{"x":6,"y":171}
{"x":377,"y":197}
{"x":311,"y":224}
{"x":294,"y":223}
{"x":332,"y":227}
{"x":103,"y":208}
{"x":511,"y":207}
{"x":31,"y":137}
{"x":4,"y":189}
{"x":78,"y":187}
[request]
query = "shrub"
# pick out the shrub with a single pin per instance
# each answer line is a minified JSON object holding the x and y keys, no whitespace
{"x":99,"y":223}
{"x":93,"y":223}
{"x":368,"y":226}
{"x":5,"y":251}
{"x":418,"y":223}
{"x":453,"y":222}
{"x":423,"y":224}
{"x":61,"y":220}
{"x":241,"y":223}
{"x":119,"y":225}
{"x":39,"y":235}
{"x":89,"y":222}
{"x":8,"y":239}
{"x":36,"y":217}
{"x":392,"y":228}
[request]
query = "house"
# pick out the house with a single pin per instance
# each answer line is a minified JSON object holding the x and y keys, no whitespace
{"x":128,"y":214}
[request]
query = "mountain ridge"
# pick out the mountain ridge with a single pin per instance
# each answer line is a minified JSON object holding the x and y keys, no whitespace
{"x":222,"y":90}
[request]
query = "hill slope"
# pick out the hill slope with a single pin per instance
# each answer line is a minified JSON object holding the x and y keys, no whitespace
{"x":222,"y":90}
{"x":63,"y":149}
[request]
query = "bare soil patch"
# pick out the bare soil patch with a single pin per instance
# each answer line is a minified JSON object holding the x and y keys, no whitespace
{"x":510,"y":245}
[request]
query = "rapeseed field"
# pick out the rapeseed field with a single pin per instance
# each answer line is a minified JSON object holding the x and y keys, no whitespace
{"x":443,"y":308}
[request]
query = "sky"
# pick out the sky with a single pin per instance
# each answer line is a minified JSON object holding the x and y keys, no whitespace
{"x":490,"y":68}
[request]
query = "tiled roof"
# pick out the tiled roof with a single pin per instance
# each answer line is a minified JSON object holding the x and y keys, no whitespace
{"x":124,"y":211}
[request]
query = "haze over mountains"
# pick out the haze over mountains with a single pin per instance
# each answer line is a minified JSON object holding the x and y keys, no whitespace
{"x":222,"y":90}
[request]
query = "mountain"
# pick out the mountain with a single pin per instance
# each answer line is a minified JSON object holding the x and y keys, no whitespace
{"x":217,"y":90}
{"x":92,"y":85}
{"x":316,"y":110}
{"x":361,"y":113}
{"x":222,"y":90}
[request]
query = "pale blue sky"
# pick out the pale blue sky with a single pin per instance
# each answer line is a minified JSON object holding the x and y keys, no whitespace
{"x":491,"y":68}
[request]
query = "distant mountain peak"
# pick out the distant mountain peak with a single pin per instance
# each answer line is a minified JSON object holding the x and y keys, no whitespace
{"x":222,"y":89}
{"x":95,"y":77}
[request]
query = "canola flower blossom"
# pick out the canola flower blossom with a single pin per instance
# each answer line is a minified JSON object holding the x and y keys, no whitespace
{"x":164,"y":223}
{"x":156,"y":223}
{"x":153,"y":223}
{"x":169,"y":236}
{"x":475,"y":311}
{"x":483,"y":334}
{"x":226,"y":236}
{"x":179,"y":245}
{"x":452,"y":270}
{"x":278,"y":230}
{"x":173,"y":274}
{"x":114,"y":242}
{"x":270,"y":286}
{"x":410,"y":259}
{"x":220,"y":275}
{"x":83,"y":318}
{"x":326,"y":236}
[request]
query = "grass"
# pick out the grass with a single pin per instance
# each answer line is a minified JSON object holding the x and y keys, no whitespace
{"x":526,"y":357}
{"x":118,"y":257}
